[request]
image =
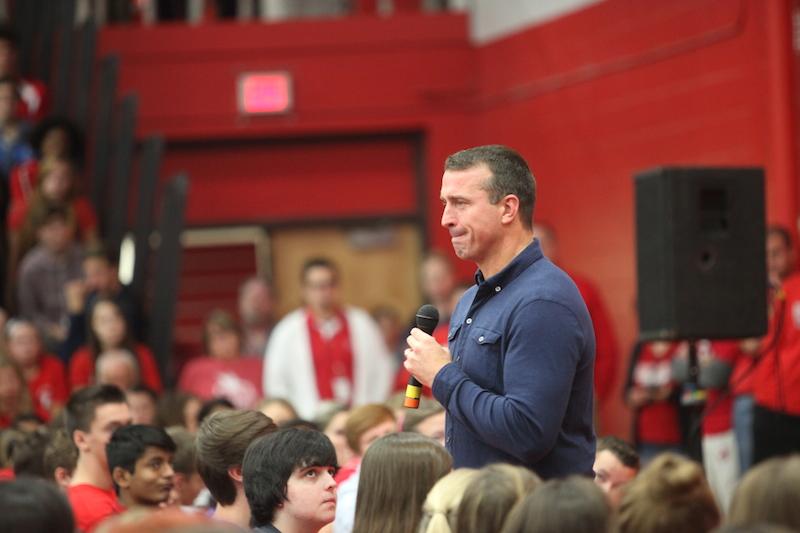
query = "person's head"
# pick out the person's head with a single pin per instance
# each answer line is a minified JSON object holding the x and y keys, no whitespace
{"x":437,"y":277}
{"x":441,"y":504}
{"x":769,"y":493}
{"x":56,"y":230}
{"x":256,"y":303}
{"x":100,"y":271}
{"x":9,"y":96}
{"x":383,"y":504}
{"x":107,"y":326}
{"x":117,"y":366}
{"x":177,"y":408}
{"x":288,"y":478}
{"x":388,"y":320}
{"x":781,"y":258}
{"x":23,"y":343}
{"x":214,"y":405}
{"x":320,"y":283}
{"x":92,"y":415}
{"x":56,"y":183}
{"x":143,"y":402}
{"x":34,"y":506}
{"x":140,"y":462}
{"x":221,"y":442}
{"x":14,"y":396}
{"x":428,"y":422}
{"x":279,"y":410}
{"x":571,"y":505}
{"x":615,"y":464}
{"x":488,"y":192}
{"x":60,"y":458}
{"x":187,"y":482}
{"x":548,"y":240}
{"x":669,"y":494}
{"x":331,"y":421}
{"x":9,"y":43}
{"x":28,"y":456}
{"x":57,"y":138}
{"x":366,"y":424}
{"x":222,"y":338}
{"x":491,"y":495}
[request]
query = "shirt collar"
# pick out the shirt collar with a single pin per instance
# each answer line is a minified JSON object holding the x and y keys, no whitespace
{"x":529,"y":255}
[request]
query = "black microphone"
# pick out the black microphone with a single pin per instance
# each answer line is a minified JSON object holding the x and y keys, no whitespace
{"x":427,"y":319}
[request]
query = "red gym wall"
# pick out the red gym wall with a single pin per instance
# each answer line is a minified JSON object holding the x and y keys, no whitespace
{"x":588,"y":99}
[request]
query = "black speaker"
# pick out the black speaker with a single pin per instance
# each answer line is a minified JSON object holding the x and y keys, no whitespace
{"x":700,"y":248}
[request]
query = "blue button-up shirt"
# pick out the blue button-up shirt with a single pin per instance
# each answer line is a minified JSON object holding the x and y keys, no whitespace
{"x":520,"y":386}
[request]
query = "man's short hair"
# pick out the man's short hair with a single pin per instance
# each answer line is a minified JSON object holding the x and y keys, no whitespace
{"x":624,"y":452}
{"x":319,"y":262}
{"x":510,"y":175}
{"x":270,"y":461}
{"x":9,"y":35}
{"x":222,"y":439}
{"x":28,"y":456}
{"x":128,"y":444}
{"x":83,"y":404}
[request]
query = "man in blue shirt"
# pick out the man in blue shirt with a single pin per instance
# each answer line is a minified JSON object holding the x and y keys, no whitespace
{"x":518,"y":385}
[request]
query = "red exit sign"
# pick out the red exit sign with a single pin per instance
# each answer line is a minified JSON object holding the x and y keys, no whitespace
{"x":263,"y":93}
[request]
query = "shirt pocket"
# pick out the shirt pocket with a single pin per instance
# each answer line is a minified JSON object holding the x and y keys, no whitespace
{"x":481,"y":358}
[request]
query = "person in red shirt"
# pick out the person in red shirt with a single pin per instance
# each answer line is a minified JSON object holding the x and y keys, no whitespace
{"x":606,"y":349}
{"x":34,"y":99}
{"x":108,"y":330}
{"x":14,"y":397}
{"x":44,"y":373}
{"x":653,"y":394}
{"x":224,"y":372}
{"x":92,"y":416}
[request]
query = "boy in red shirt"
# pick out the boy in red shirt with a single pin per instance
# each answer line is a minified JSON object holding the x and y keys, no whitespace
{"x":93,"y":414}
{"x":43,"y":372}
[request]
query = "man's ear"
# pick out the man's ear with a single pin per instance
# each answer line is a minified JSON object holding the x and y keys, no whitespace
{"x":510,"y":205}
{"x":62,"y":477}
{"x":81,"y":440}
{"x":235,"y":472}
{"x":121,"y":477}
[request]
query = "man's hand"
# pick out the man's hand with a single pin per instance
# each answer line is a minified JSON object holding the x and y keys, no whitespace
{"x":424,"y":356}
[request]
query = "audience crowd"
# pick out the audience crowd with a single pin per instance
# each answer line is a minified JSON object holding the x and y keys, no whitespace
{"x":297,"y":425}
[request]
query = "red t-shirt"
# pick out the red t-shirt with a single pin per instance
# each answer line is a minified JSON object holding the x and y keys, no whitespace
{"x":49,"y":387}
{"x":238,"y":380}
{"x":81,"y":368}
{"x":333,"y":360}
{"x":776,"y":380}
{"x":605,"y":360}
{"x":657,"y":422}
{"x":92,"y":505}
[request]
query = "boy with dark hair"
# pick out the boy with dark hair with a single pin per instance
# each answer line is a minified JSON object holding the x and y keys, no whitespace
{"x":60,"y":458}
{"x":92,"y":415}
{"x":222,"y":440}
{"x":140,"y":461}
{"x":288,"y":481}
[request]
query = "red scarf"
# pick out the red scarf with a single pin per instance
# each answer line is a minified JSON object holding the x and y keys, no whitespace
{"x":333,"y":360}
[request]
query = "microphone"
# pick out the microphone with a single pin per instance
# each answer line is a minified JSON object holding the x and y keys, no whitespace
{"x":427,"y":318}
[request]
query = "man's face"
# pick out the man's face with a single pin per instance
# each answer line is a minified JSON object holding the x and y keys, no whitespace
{"x":780,"y":258}
{"x":56,"y":235}
{"x":23,"y":344}
{"x":612,"y":476}
{"x":152,"y":478}
{"x":311,"y":495}
{"x":438,"y":281}
{"x":98,"y":274}
{"x":107,"y":418}
{"x":256,"y":304}
{"x":320,"y":289}
{"x":473,"y":222}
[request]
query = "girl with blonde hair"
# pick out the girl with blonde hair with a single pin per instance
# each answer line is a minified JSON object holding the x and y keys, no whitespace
{"x":441,"y":505}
